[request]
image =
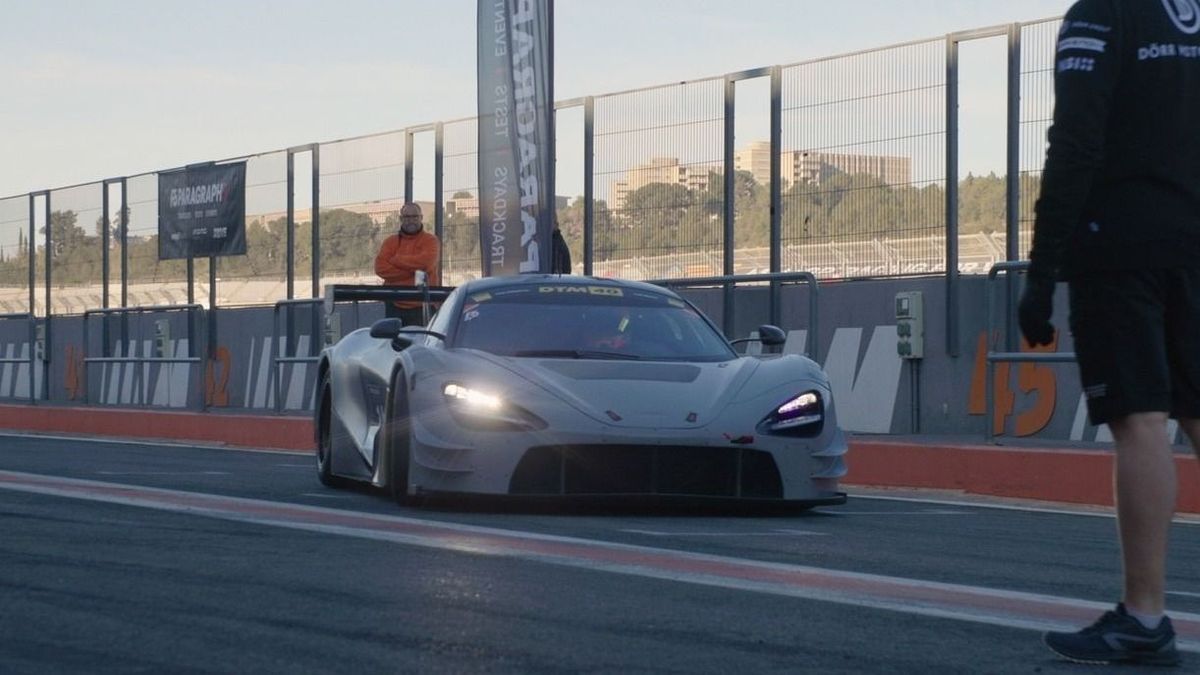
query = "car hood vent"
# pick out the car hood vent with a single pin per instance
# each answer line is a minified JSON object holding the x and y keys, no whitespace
{"x":639,"y":394}
{"x":618,"y":370}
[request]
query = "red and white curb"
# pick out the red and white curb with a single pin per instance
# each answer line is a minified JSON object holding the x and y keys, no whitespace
{"x":911,"y":596}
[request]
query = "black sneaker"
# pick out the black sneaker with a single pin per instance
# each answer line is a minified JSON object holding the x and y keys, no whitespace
{"x":1118,"y":638}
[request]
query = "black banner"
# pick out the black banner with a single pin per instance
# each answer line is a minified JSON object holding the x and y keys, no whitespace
{"x":202,"y":212}
{"x":516,"y":135}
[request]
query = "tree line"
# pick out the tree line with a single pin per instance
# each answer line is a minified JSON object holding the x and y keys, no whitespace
{"x":655,"y":219}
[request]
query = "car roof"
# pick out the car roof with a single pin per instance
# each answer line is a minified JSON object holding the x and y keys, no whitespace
{"x":493,"y":283}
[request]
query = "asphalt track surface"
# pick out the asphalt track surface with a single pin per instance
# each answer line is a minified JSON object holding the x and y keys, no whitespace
{"x":120,"y":557}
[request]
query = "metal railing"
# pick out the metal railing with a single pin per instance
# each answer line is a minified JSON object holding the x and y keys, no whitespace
{"x":1011,"y":353}
{"x":32,"y":358}
{"x":776,"y":280}
{"x":192,"y":359}
{"x":323,"y":308}
{"x":318,"y":309}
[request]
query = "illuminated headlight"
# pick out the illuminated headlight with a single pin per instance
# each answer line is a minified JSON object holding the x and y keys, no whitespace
{"x":483,"y":411}
{"x":801,"y":411}
{"x":456,"y":393}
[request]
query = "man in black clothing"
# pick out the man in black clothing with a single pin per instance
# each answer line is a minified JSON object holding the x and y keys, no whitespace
{"x":1119,"y":219}
{"x":560,"y":255}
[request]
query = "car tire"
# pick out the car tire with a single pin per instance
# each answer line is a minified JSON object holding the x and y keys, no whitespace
{"x":325,"y":434}
{"x":398,"y":439}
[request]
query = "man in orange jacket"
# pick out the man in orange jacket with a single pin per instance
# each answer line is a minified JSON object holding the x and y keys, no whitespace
{"x":402,"y":256}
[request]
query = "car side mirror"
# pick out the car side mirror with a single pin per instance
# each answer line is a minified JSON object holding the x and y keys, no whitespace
{"x":402,"y":337}
{"x":771,"y":336}
{"x":386,"y":329}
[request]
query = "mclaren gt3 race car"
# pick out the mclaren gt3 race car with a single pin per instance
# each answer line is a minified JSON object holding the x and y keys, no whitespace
{"x":571,"y":386}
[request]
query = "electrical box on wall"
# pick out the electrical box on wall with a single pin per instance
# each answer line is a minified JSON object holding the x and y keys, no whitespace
{"x":333,"y":329}
{"x":162,"y":337}
{"x":910,"y":325}
{"x":39,"y":343}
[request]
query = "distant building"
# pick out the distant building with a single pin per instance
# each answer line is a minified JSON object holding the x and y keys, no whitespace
{"x":378,"y":211}
{"x":657,"y":170}
{"x":814,"y":167}
{"x":755,"y":158}
{"x":468,"y":207}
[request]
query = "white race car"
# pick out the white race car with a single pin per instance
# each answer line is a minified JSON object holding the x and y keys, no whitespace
{"x":540,"y":385}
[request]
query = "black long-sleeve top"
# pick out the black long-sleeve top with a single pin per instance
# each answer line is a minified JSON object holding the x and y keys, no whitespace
{"x":1121,"y":185}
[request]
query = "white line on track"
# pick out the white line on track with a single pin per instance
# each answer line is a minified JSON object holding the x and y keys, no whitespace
{"x":1188,"y":519}
{"x":927,"y":512}
{"x":1184,"y":594}
{"x":154,"y":443}
{"x":772,"y":533}
{"x":162,"y":473}
{"x":1014,"y":609}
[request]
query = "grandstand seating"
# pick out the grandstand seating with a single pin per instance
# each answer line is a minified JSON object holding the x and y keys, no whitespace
{"x":875,"y":257}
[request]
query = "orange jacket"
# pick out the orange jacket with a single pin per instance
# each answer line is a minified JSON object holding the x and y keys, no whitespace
{"x":402,"y":255}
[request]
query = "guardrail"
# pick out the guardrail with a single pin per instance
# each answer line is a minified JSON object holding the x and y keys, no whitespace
{"x":323,"y":310}
{"x":776,"y":280}
{"x":1011,"y":353}
{"x":318,"y":308}
{"x":191,"y":358}
{"x":32,"y":359}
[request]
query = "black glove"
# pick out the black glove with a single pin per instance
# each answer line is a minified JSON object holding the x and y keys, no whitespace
{"x":1037,"y":303}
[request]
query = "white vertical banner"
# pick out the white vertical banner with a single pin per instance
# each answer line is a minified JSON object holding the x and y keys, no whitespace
{"x":516,"y":135}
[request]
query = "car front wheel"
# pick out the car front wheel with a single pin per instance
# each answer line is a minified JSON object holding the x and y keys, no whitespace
{"x":325,"y":434}
{"x":399,"y":440}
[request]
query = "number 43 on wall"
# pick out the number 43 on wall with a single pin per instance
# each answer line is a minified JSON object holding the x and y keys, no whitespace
{"x":1038,"y":383}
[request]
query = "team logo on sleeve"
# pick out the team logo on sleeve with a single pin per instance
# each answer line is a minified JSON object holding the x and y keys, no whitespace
{"x":1185,"y":14}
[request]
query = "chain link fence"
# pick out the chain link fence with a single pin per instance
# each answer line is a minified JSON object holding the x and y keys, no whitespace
{"x":861,"y":147}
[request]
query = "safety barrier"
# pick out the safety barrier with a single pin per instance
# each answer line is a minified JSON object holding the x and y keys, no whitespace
{"x":161,"y":342}
{"x":317,"y":306}
{"x":322,"y":315}
{"x":32,"y":358}
{"x":1011,"y":353}
{"x":776,"y":280}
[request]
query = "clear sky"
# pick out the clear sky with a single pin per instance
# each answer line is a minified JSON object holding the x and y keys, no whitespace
{"x":106,"y":88}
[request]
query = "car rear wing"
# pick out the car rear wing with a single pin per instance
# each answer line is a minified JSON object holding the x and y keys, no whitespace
{"x":358,"y":292}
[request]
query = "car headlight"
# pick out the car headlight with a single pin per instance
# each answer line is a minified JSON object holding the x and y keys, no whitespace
{"x":457,"y":394}
{"x":482,"y":410}
{"x":802,"y":413}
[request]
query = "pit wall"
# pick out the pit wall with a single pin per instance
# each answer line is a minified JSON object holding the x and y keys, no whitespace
{"x":876,"y":392}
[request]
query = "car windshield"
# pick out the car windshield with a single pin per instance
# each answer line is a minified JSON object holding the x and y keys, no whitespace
{"x":587,"y":322}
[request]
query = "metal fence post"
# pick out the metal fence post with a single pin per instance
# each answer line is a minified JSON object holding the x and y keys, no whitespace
{"x":952,"y":290}
{"x":290,"y":225}
{"x":316,"y":220}
{"x":776,"y":242}
{"x":124,"y":225}
{"x":728,"y":320}
{"x":32,"y":295}
{"x":589,"y":175}
{"x":47,"y":333}
{"x":1012,"y":196}
{"x":438,"y":198}
{"x":408,"y":166}
{"x":104,"y":245}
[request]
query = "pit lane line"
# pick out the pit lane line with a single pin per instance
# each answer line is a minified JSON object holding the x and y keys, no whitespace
{"x":983,"y":501}
{"x":927,"y":598}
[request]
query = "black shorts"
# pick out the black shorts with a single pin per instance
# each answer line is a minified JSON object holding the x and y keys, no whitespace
{"x":1137,"y":339}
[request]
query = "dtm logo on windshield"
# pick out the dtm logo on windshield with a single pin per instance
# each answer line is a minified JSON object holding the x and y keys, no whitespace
{"x":589,"y":290}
